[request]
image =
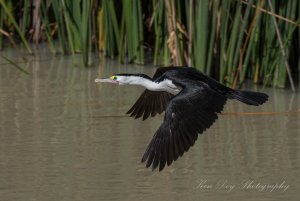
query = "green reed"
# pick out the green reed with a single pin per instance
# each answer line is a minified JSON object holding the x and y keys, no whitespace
{"x":232,"y":41}
{"x":8,"y":11}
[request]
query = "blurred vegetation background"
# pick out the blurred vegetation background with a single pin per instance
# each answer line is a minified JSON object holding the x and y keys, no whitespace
{"x":232,"y":40}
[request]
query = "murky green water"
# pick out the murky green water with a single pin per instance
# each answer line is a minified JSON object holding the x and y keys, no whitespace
{"x":63,"y":137}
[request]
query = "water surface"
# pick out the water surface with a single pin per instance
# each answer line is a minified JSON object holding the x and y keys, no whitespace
{"x":63,"y":137}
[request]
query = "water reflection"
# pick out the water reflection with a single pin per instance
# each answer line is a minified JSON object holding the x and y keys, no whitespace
{"x":63,"y":137}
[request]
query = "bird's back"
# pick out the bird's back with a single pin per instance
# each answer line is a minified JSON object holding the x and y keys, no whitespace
{"x":187,"y":77}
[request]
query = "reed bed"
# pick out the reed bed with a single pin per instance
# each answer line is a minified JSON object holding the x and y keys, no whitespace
{"x":232,"y":41}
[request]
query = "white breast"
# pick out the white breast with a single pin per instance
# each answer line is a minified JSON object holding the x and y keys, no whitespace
{"x":168,"y":86}
{"x":165,"y":85}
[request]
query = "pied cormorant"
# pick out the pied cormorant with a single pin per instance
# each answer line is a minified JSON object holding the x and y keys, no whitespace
{"x":191,"y":101}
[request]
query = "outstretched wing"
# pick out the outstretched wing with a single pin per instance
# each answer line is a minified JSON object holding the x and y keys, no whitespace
{"x":188,"y":114}
{"x":151,"y":102}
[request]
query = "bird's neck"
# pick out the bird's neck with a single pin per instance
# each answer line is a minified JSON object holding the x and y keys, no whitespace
{"x":165,"y":85}
{"x":142,"y":81}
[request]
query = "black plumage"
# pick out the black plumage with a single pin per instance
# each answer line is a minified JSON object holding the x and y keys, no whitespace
{"x":187,"y":114}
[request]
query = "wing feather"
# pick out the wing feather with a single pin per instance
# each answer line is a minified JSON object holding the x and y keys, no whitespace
{"x":151,"y":102}
{"x":188,"y":114}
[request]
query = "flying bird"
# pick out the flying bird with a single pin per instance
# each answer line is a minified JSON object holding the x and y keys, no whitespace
{"x":191,"y":101}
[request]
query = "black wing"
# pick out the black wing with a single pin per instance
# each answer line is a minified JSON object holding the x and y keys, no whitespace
{"x":188,"y":114}
{"x":151,"y":102}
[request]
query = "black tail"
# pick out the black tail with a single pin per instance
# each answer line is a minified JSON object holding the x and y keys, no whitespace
{"x":248,"y":97}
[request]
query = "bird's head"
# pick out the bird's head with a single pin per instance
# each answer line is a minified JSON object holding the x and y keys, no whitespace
{"x":119,"y":79}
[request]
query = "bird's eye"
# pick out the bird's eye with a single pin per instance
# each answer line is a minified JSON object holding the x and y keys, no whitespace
{"x":113,"y":77}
